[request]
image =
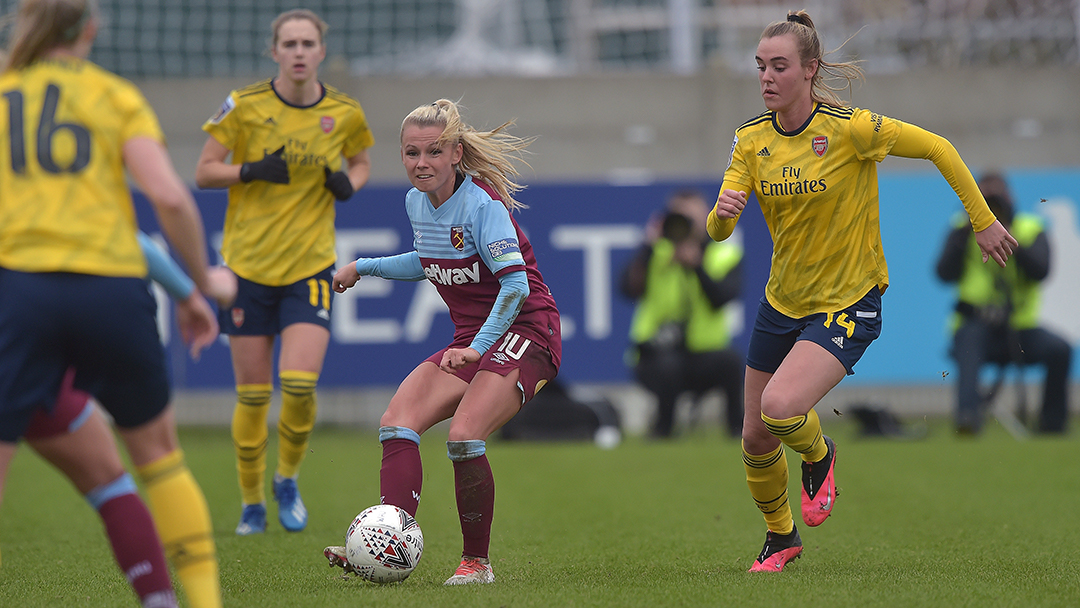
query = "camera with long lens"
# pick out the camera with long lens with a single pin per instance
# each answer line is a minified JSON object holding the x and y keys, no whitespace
{"x":676,"y":227}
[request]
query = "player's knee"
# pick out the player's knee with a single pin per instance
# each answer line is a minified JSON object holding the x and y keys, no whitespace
{"x":778,"y":405}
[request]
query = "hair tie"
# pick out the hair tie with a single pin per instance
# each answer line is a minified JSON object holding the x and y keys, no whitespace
{"x":795,"y":18}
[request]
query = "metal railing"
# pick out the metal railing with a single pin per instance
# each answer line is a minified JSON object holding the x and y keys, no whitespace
{"x":201,"y":38}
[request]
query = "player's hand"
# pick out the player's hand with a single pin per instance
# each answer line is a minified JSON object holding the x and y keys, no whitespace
{"x":339,"y":184}
{"x":730,"y":204}
{"x":996,"y":242}
{"x":198,"y":324}
{"x":456,"y":358}
{"x":220,"y":285}
{"x":272,"y":168}
{"x":345,"y":277}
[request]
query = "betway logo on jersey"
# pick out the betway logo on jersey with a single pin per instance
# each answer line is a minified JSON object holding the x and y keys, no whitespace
{"x":453,"y":276}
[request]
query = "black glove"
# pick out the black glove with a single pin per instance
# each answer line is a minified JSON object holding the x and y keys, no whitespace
{"x":339,"y":184}
{"x":272,"y":168}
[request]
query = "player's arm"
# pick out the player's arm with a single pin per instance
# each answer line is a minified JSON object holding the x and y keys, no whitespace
{"x":212,"y":170}
{"x":914,"y":142}
{"x":725,"y":213}
{"x":197,"y":323}
{"x":179,"y":218}
{"x":359,"y":169}
{"x":513,"y":291}
{"x":734,"y":192}
{"x":402,"y":267}
{"x":161,"y":269}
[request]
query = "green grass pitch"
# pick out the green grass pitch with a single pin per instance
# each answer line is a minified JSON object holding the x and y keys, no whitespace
{"x":945,"y":521}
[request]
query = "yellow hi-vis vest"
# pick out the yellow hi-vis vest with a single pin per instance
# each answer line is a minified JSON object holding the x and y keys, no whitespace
{"x":979,"y":282}
{"x":673,"y":294}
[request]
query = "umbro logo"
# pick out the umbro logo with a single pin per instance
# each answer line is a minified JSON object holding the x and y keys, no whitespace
{"x":764,"y":151}
{"x":270,"y":121}
{"x":839,"y":341}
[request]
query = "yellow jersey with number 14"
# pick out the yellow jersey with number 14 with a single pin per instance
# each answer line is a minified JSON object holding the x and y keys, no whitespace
{"x":65,"y":204}
{"x":277,"y":234}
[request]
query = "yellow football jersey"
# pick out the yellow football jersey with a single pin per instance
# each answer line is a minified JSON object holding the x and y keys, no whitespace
{"x":818,"y":190}
{"x":65,"y":204}
{"x":277,"y":234}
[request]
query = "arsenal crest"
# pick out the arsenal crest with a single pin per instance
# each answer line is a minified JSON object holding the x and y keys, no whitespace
{"x":820,"y":144}
{"x":327,"y":124}
{"x":238,"y":317}
{"x":457,"y":237}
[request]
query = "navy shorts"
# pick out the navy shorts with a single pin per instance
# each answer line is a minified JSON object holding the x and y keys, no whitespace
{"x":104,"y":327}
{"x":265,"y":310}
{"x":845,"y":333}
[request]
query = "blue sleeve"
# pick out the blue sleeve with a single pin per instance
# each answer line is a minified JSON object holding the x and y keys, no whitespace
{"x":403,"y":267}
{"x":496,"y":238}
{"x":160,"y":267}
{"x":513,"y":290}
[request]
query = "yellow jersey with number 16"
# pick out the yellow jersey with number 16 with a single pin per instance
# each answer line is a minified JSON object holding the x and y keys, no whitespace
{"x":65,"y":204}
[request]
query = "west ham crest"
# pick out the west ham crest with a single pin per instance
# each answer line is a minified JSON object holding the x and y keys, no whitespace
{"x":820,"y":144}
{"x":457,"y":237}
{"x":327,"y":124}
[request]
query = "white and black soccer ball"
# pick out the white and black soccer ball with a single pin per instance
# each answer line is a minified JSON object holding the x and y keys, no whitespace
{"x":384,"y":544}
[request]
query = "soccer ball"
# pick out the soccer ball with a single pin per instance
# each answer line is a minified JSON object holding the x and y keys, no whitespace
{"x":384,"y":544}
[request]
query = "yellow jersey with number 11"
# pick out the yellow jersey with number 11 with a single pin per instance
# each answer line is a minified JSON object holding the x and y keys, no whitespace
{"x":277,"y":234}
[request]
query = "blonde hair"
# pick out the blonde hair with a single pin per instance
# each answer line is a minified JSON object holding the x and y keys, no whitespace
{"x":799,"y":25}
{"x":297,"y":14}
{"x":487,"y":155}
{"x":43,"y":25}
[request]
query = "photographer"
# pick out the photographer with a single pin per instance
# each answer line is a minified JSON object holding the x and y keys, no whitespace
{"x":997,"y":312}
{"x":683,"y":282}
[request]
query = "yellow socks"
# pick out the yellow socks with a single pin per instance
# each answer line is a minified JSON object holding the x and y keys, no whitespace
{"x":767,"y":477}
{"x":183,"y":522}
{"x":298,"y":409}
{"x":249,"y":438}
{"x":801,"y":433}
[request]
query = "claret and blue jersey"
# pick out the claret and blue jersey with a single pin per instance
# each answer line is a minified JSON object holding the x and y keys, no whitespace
{"x":464,"y":246}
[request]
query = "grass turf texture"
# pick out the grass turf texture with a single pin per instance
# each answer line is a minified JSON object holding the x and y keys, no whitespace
{"x":944,"y":521}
